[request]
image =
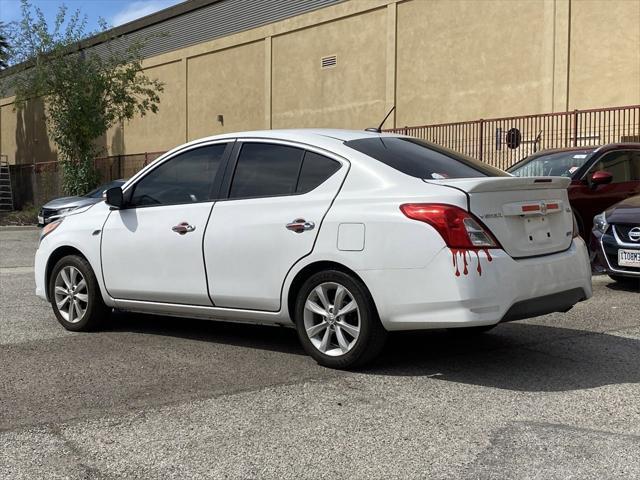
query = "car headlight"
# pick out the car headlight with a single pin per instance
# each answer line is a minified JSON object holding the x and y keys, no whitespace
{"x":600,"y":222}
{"x":50,"y":227}
{"x":63,"y":211}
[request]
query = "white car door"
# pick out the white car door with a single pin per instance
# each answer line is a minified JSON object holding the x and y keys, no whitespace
{"x":277,"y":198}
{"x":152,"y":248}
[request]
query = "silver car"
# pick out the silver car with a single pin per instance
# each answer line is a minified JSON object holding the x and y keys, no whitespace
{"x":60,"y":206}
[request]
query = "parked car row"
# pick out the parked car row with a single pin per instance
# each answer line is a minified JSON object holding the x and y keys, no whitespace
{"x":600,"y":176}
{"x":605,"y":198}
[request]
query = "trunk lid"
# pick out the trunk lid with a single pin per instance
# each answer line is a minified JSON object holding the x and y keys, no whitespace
{"x":529,"y":216}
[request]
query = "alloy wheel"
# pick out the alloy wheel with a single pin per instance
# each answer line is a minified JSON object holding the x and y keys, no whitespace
{"x":332,"y":319}
{"x":71,"y":294}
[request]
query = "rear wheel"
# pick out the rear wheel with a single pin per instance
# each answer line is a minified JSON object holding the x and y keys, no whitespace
{"x":75,"y":295}
{"x":337,"y":321}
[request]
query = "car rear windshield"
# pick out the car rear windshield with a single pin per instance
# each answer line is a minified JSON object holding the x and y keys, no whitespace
{"x":422,"y":159}
{"x":558,"y":164}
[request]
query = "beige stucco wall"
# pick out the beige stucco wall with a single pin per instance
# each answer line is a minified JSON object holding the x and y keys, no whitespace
{"x":461,"y":59}
{"x":605,"y":53}
{"x":165,"y":129}
{"x":230,"y":83}
{"x":350,"y":95}
{"x":23,"y":133}
{"x":437,"y":60}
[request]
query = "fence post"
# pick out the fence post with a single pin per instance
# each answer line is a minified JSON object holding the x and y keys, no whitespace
{"x":575,"y":128}
{"x":481,"y":140}
{"x":34,"y":184}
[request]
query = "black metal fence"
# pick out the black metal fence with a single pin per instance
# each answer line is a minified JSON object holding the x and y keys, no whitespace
{"x":498,"y":141}
{"x":36,"y":184}
{"x":503,"y":141}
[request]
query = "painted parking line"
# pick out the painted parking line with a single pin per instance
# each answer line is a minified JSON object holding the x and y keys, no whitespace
{"x":15,"y":270}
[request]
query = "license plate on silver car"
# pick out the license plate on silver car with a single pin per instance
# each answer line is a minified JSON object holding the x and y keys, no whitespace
{"x":40,"y":219}
{"x":629,"y":258}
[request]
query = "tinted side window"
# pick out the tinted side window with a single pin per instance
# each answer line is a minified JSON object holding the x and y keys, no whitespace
{"x":422,"y":159}
{"x":315,"y":170}
{"x":186,"y":178}
{"x":622,"y":165}
{"x":266,"y":170}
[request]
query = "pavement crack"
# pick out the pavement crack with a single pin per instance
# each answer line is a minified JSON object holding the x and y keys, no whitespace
{"x":90,"y":472}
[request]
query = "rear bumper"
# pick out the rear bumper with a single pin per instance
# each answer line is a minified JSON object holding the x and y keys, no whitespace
{"x":504,"y":289}
{"x":534,"y":307}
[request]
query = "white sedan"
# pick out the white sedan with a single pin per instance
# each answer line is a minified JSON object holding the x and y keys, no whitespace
{"x":345,"y":235}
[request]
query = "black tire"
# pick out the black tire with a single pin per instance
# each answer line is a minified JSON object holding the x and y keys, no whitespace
{"x":372,"y":335}
{"x":472,"y":331}
{"x":96,"y":311}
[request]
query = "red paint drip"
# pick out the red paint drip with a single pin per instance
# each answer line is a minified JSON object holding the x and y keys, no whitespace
{"x":464,"y":253}
{"x":479,"y":265}
{"x":454,"y":252}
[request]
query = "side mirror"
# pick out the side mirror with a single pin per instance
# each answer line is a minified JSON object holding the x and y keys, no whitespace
{"x":114,"y":197}
{"x":601,"y":178}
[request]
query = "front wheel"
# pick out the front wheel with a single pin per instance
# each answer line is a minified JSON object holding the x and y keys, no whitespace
{"x":337,"y":321}
{"x":75,"y":295}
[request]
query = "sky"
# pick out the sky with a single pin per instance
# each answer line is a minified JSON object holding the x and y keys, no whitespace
{"x":115,"y":12}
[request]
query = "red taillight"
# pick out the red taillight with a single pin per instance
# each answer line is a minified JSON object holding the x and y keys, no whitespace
{"x":458,"y":228}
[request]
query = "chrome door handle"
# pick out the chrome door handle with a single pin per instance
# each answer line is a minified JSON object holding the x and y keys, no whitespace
{"x":300,"y":225}
{"x":183,"y":228}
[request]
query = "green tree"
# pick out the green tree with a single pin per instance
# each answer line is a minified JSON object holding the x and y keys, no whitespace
{"x":4,"y":47}
{"x":86,"y":91}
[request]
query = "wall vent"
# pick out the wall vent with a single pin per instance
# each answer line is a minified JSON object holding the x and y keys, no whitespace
{"x":329,"y":61}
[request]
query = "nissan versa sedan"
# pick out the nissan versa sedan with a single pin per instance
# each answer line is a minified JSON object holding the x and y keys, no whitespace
{"x":345,"y":235}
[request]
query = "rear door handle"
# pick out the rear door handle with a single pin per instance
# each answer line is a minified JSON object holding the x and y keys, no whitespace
{"x":300,"y":225}
{"x":183,"y":228}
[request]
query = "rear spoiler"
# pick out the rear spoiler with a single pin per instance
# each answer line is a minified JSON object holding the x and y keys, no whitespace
{"x":503,"y":184}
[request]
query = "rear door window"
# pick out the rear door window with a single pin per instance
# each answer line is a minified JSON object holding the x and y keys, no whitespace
{"x":266,"y":170}
{"x":422,"y":159}
{"x":269,"y":170}
{"x":315,"y":170}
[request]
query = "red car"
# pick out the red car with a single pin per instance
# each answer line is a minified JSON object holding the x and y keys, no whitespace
{"x":600,"y":176}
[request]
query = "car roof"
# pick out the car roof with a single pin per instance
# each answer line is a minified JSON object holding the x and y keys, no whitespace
{"x":303,"y":135}
{"x":586,"y":148}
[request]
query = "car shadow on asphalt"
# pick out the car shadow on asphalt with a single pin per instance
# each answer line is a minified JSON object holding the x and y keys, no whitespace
{"x":629,"y":286}
{"x":515,"y":356}
{"x":276,"y":339}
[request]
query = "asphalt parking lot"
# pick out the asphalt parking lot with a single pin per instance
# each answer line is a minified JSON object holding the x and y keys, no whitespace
{"x":154,"y":397}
